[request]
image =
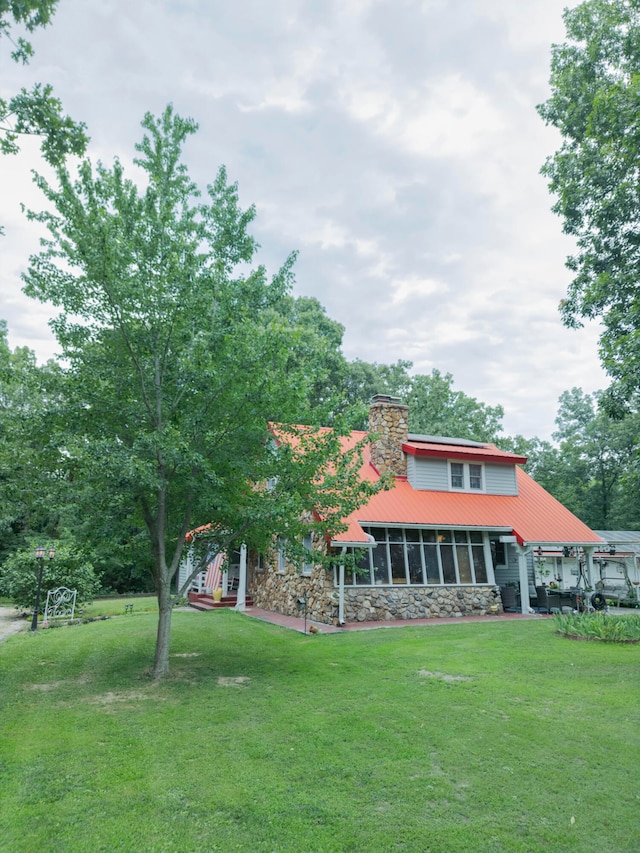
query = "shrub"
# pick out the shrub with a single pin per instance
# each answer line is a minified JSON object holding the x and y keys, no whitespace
{"x":607,"y":627}
{"x":70,"y":567}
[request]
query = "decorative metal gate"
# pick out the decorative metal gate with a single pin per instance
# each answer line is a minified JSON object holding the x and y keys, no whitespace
{"x":61,"y":604}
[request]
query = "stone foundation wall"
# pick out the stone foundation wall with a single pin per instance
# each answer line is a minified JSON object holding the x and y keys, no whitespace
{"x":280,"y":593}
{"x":374,"y":604}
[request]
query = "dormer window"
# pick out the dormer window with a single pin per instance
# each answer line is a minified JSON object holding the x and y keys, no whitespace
{"x":475,"y":477}
{"x":466,"y":476}
{"x":457,"y":475}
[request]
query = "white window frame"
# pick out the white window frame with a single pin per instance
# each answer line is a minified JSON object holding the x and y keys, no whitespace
{"x":306,"y":566}
{"x":385,"y":543}
{"x":466,"y":477}
{"x":281,"y":558}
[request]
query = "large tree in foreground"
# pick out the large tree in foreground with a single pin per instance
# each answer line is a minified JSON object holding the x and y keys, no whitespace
{"x":177,"y":355}
{"x":594,"y":103}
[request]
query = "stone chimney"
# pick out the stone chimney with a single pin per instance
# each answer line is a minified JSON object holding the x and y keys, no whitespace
{"x":388,"y":419}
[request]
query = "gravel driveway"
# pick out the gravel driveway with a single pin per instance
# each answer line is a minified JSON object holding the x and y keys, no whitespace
{"x":11,"y":622}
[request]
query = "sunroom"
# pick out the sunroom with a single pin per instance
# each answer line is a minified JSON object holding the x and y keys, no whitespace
{"x":420,"y":556}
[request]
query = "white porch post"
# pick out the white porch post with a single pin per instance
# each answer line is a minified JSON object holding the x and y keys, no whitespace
{"x":525,"y":604}
{"x":241,"y":602}
{"x":341,"y":590}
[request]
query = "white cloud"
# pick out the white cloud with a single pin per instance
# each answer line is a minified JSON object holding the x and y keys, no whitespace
{"x":396,"y":144}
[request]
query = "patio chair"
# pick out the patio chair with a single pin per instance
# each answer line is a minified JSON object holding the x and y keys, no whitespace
{"x":542,"y":600}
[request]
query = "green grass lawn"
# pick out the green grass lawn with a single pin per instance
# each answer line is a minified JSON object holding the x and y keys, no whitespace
{"x":469,"y":737}
{"x":116,"y":606}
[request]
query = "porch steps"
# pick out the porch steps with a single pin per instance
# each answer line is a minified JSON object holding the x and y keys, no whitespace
{"x":204,"y":601}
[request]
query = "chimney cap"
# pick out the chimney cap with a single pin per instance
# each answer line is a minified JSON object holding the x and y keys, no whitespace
{"x":386,"y":398}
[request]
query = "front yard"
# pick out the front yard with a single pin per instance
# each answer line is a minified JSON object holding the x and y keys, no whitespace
{"x":470,"y":737}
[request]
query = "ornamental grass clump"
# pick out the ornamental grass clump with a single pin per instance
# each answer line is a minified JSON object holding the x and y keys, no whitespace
{"x":599,"y":626}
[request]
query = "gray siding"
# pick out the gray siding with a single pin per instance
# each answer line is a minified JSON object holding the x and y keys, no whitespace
{"x":511,"y":572}
{"x":428,"y":474}
{"x":433,"y":475}
{"x":500,"y":479}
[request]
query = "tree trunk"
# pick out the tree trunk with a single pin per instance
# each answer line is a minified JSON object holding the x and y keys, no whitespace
{"x":161,"y":661}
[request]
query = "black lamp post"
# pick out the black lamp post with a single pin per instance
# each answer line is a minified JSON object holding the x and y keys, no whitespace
{"x":40,"y":552}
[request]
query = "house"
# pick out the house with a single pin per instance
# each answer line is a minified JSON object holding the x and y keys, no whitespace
{"x":461,"y":520}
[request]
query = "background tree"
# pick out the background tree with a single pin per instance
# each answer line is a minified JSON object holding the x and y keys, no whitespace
{"x":71,"y":567}
{"x":317,"y":351}
{"x":27,"y":479}
{"x":592,"y":469}
{"x":35,"y":112}
{"x":594,"y":103}
{"x":544,"y":463}
{"x":597,"y":453}
{"x":436,"y":409}
{"x":177,"y":356}
{"x":361,"y":380}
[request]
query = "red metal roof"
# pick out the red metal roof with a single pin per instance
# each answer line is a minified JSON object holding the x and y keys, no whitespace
{"x":533,"y":515}
{"x":482,"y":453}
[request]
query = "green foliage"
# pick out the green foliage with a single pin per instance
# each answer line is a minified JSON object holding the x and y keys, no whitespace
{"x":39,"y":113}
{"x":593,"y":468}
{"x":36,"y":112}
{"x":609,"y":628}
{"x":178,"y":354}
{"x":436,"y":409}
{"x":317,"y":347}
{"x":594,"y":104}
{"x":27,"y":479}
{"x":597,"y":453}
{"x":29,"y":14}
{"x":71,"y":567}
{"x":361,"y":380}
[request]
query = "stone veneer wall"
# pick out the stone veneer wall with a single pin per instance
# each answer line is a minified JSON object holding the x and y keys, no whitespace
{"x":280,"y":592}
{"x":388,"y":419}
{"x":377,"y":603}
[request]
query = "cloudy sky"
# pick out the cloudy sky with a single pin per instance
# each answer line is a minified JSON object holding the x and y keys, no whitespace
{"x":394,"y":143}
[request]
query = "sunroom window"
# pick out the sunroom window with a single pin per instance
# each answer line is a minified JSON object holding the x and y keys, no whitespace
{"x":420,"y":557}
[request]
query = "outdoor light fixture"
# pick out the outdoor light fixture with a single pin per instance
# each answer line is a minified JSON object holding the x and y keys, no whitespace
{"x":40,"y":552}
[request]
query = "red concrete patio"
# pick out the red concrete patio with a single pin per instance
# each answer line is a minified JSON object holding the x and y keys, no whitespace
{"x":298,"y":624}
